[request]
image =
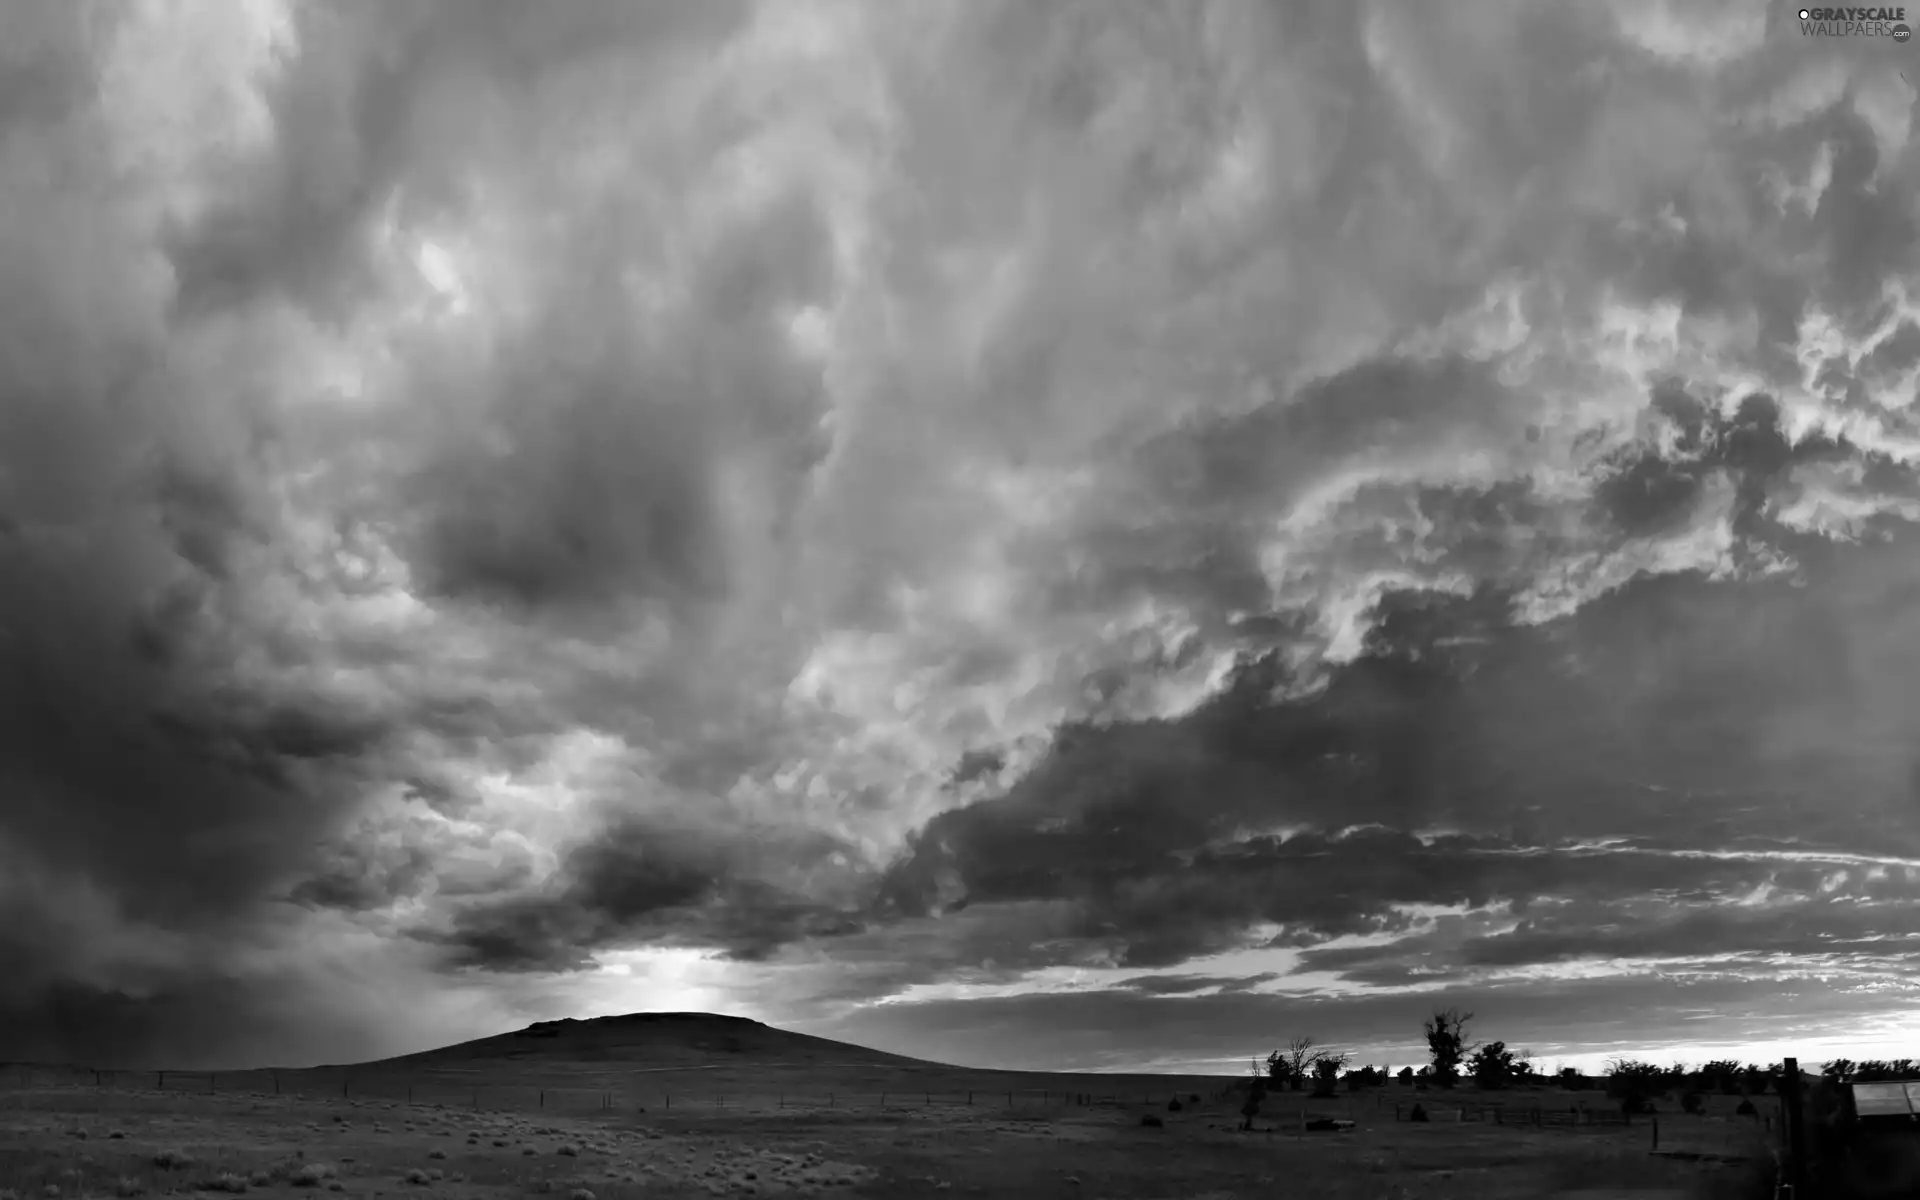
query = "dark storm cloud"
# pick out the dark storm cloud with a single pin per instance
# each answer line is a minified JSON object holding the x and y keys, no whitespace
{"x":664,"y":880}
{"x":356,"y":121}
{"x":1660,"y":712}
{"x":1257,"y":460}
{"x":497,"y":492}
{"x":366,"y":875}
{"x":609,"y":490}
{"x":1647,"y":491}
{"x":1802,"y":932}
{"x":174,"y":755}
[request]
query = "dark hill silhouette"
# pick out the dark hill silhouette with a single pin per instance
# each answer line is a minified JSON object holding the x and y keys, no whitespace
{"x":660,"y":1040}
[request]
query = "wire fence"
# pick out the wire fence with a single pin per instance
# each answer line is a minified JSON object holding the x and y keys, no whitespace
{"x":1537,"y":1115}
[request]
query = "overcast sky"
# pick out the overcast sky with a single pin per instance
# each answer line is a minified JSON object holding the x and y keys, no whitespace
{"x":1080,"y":534}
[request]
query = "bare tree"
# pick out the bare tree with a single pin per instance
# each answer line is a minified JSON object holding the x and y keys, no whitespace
{"x":1300,"y":1061}
{"x":1289,"y":1067}
{"x":1447,"y":1040}
{"x":1326,"y":1070}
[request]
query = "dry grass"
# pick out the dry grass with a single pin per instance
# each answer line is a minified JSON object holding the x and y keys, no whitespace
{"x":179,"y":1143}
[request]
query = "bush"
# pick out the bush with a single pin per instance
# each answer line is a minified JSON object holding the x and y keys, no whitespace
{"x":173,"y":1160}
{"x":1693,"y":1102}
{"x":1152,"y":1121}
{"x":1634,"y":1084}
{"x":1493,"y":1066}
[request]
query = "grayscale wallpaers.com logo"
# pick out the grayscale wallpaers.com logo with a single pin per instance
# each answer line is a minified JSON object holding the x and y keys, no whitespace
{"x":1878,"y":21}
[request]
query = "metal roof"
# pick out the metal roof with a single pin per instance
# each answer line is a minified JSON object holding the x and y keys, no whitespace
{"x":1896,"y":1098}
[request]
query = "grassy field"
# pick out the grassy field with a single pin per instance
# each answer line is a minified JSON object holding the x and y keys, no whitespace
{"x":681,"y":1105}
{"x":124,"y":1140}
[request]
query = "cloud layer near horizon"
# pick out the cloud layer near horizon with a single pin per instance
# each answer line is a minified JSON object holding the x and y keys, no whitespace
{"x":663,"y":506}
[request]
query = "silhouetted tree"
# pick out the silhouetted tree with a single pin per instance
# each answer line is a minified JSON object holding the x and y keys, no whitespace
{"x":1290,"y":1068}
{"x":1365,"y":1077}
{"x":1447,"y":1042}
{"x":1256,"y":1092}
{"x":1523,"y":1067}
{"x":1492,"y":1066}
{"x":1326,"y":1070}
{"x":1880,"y":1070}
{"x":1720,"y":1075}
{"x":1634,"y":1083}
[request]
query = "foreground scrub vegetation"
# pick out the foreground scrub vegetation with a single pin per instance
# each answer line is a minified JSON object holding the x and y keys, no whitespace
{"x":60,"y":1143}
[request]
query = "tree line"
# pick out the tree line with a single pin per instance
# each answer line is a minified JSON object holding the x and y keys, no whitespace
{"x":1454,"y":1059}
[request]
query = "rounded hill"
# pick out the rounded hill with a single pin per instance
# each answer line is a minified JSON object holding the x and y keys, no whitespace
{"x":658,"y":1040}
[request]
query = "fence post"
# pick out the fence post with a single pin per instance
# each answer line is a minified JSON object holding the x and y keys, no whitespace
{"x":969,"y":1097}
{"x":883,"y":1099}
{"x":210,"y":1078}
{"x":829,"y":1099}
{"x":1009,"y":1099}
{"x":929,"y":1098}
{"x":1656,"y":1131}
{"x":669,"y":1100}
{"x":543,"y":1097}
{"x":1795,"y":1126}
{"x":276,"y":1083}
{"x":343,"y":1085}
{"x":160,"y":1076}
{"x":476,"y":1099}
